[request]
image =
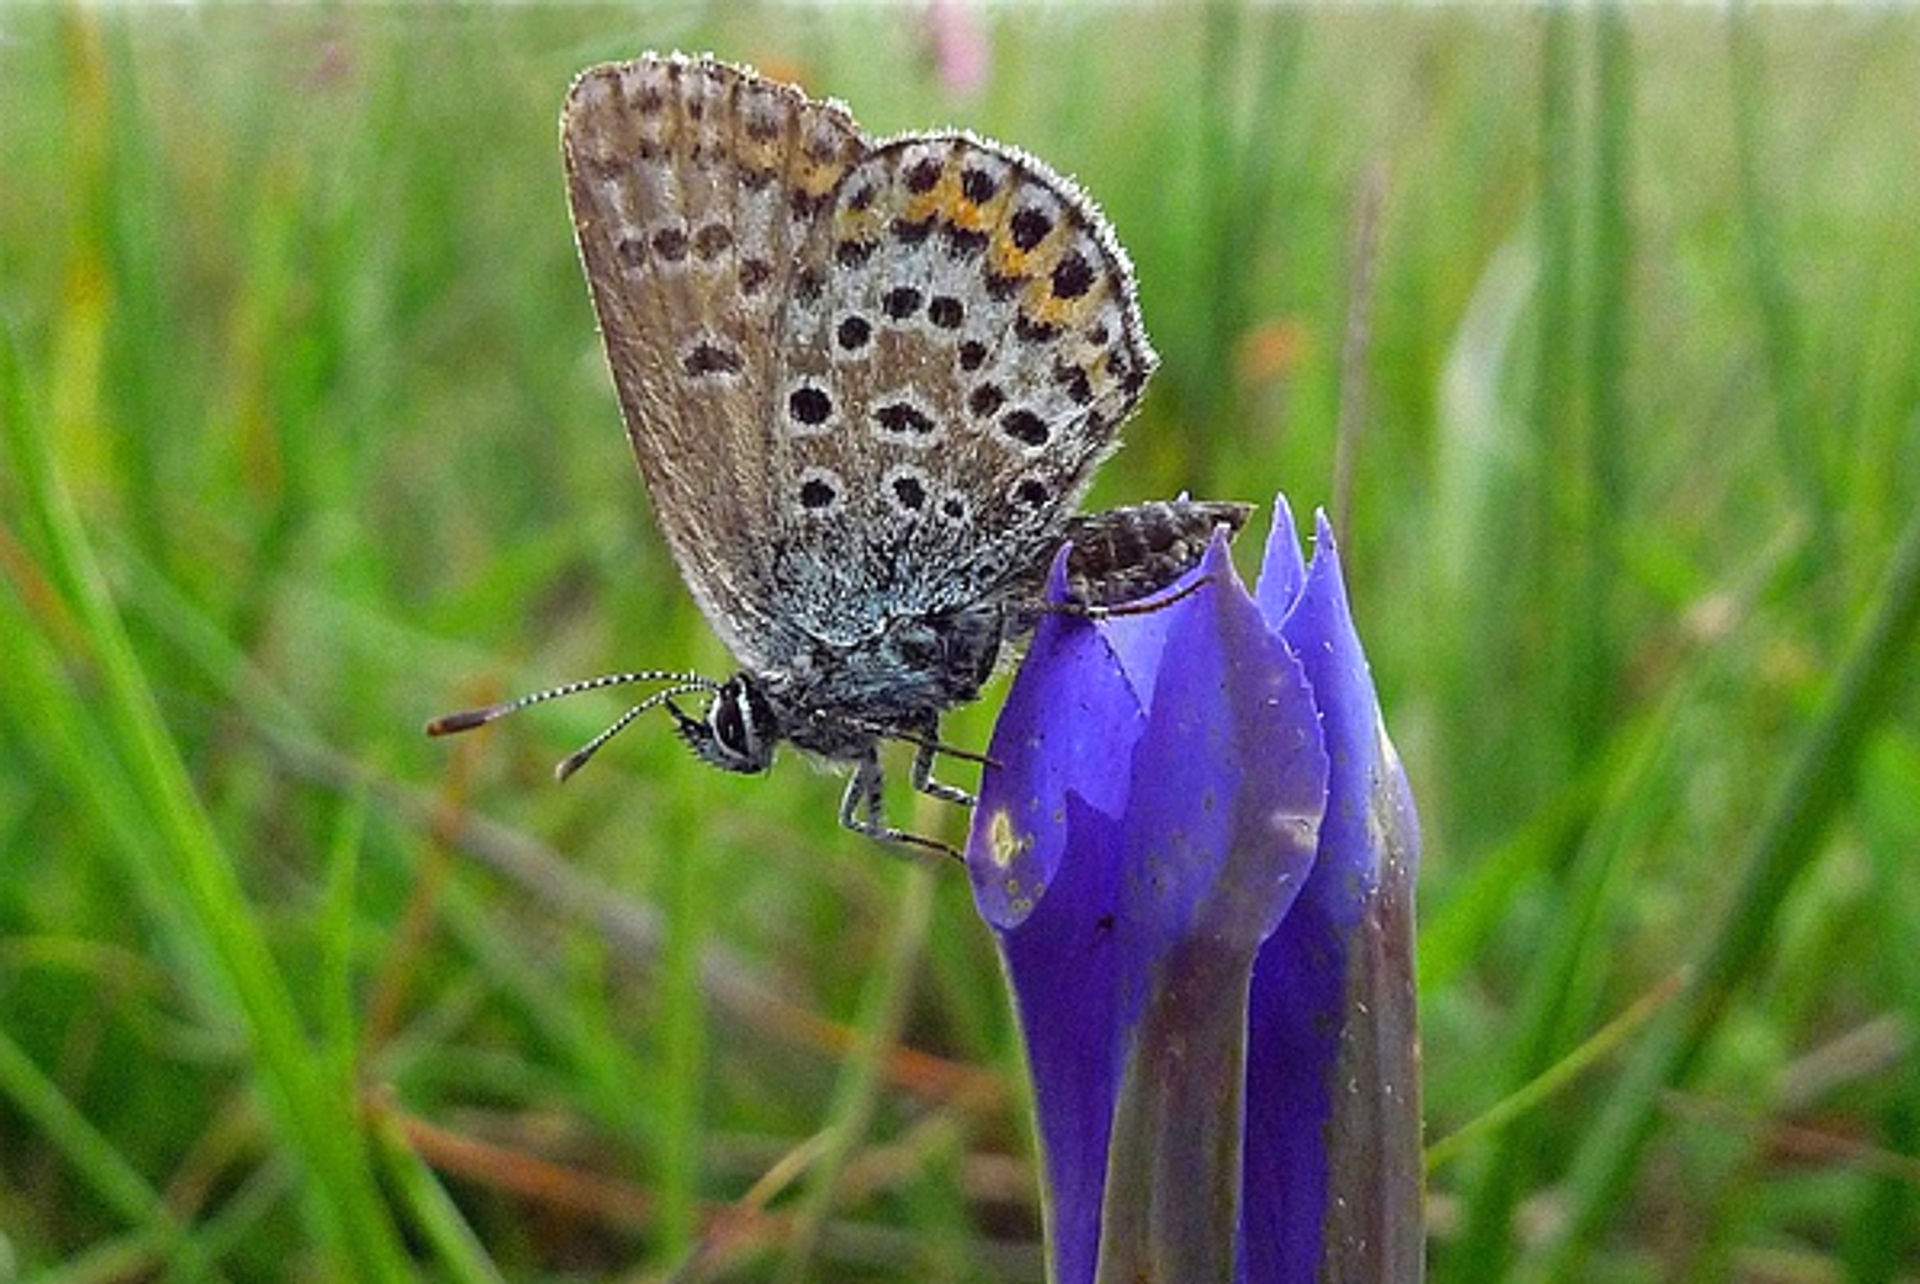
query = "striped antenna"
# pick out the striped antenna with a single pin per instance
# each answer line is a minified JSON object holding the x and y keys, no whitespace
{"x":468,"y":719}
{"x":578,"y":758}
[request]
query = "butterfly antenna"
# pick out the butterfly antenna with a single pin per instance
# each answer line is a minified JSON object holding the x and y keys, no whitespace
{"x":578,"y":758}
{"x":468,"y":719}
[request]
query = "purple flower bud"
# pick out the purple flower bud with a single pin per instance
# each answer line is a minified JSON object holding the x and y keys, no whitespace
{"x":1198,"y":855}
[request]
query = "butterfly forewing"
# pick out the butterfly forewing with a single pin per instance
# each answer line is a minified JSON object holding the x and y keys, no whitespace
{"x":693,"y":186}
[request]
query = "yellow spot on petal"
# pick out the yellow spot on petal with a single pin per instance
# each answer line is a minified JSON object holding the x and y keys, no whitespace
{"x":1005,"y":844}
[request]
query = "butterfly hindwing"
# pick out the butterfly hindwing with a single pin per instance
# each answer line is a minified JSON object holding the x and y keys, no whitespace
{"x":950,"y":389}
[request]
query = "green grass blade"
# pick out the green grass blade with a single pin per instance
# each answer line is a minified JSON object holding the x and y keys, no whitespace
{"x":684,"y":1040}
{"x":98,"y":1162}
{"x":1820,"y":778}
{"x":1774,"y":304}
{"x":883,"y":1008}
{"x":435,"y":1215}
{"x":319,"y":1124}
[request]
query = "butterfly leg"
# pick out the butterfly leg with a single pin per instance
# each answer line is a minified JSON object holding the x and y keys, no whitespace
{"x":922,"y":777}
{"x":860,"y":812}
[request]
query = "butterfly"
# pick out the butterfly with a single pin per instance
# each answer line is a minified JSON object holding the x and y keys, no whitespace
{"x":866,"y":383}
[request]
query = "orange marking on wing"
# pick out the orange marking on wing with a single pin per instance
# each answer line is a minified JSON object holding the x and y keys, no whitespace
{"x":1041,"y":304}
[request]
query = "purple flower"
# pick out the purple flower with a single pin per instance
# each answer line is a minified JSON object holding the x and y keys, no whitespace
{"x":1198,"y":854}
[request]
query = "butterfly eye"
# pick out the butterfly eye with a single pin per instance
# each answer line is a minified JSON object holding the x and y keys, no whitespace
{"x":740,"y":729}
{"x":729,"y":726}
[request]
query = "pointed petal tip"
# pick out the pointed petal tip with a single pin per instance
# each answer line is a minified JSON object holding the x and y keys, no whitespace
{"x":1282,"y":571}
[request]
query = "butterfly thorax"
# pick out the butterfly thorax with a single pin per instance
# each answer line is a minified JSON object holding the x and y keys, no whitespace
{"x":839,"y":703}
{"x":837,"y":700}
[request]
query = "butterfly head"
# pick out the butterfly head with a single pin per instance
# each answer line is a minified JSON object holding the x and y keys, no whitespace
{"x":740,"y":729}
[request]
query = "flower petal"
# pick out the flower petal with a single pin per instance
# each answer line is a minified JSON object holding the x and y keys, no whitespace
{"x":1222,"y":826}
{"x":1282,"y":572}
{"x":1131,"y":903}
{"x":1068,"y":729}
{"x":1332,"y":1161}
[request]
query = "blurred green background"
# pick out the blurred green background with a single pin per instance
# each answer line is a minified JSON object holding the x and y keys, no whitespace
{"x":1599,"y":328}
